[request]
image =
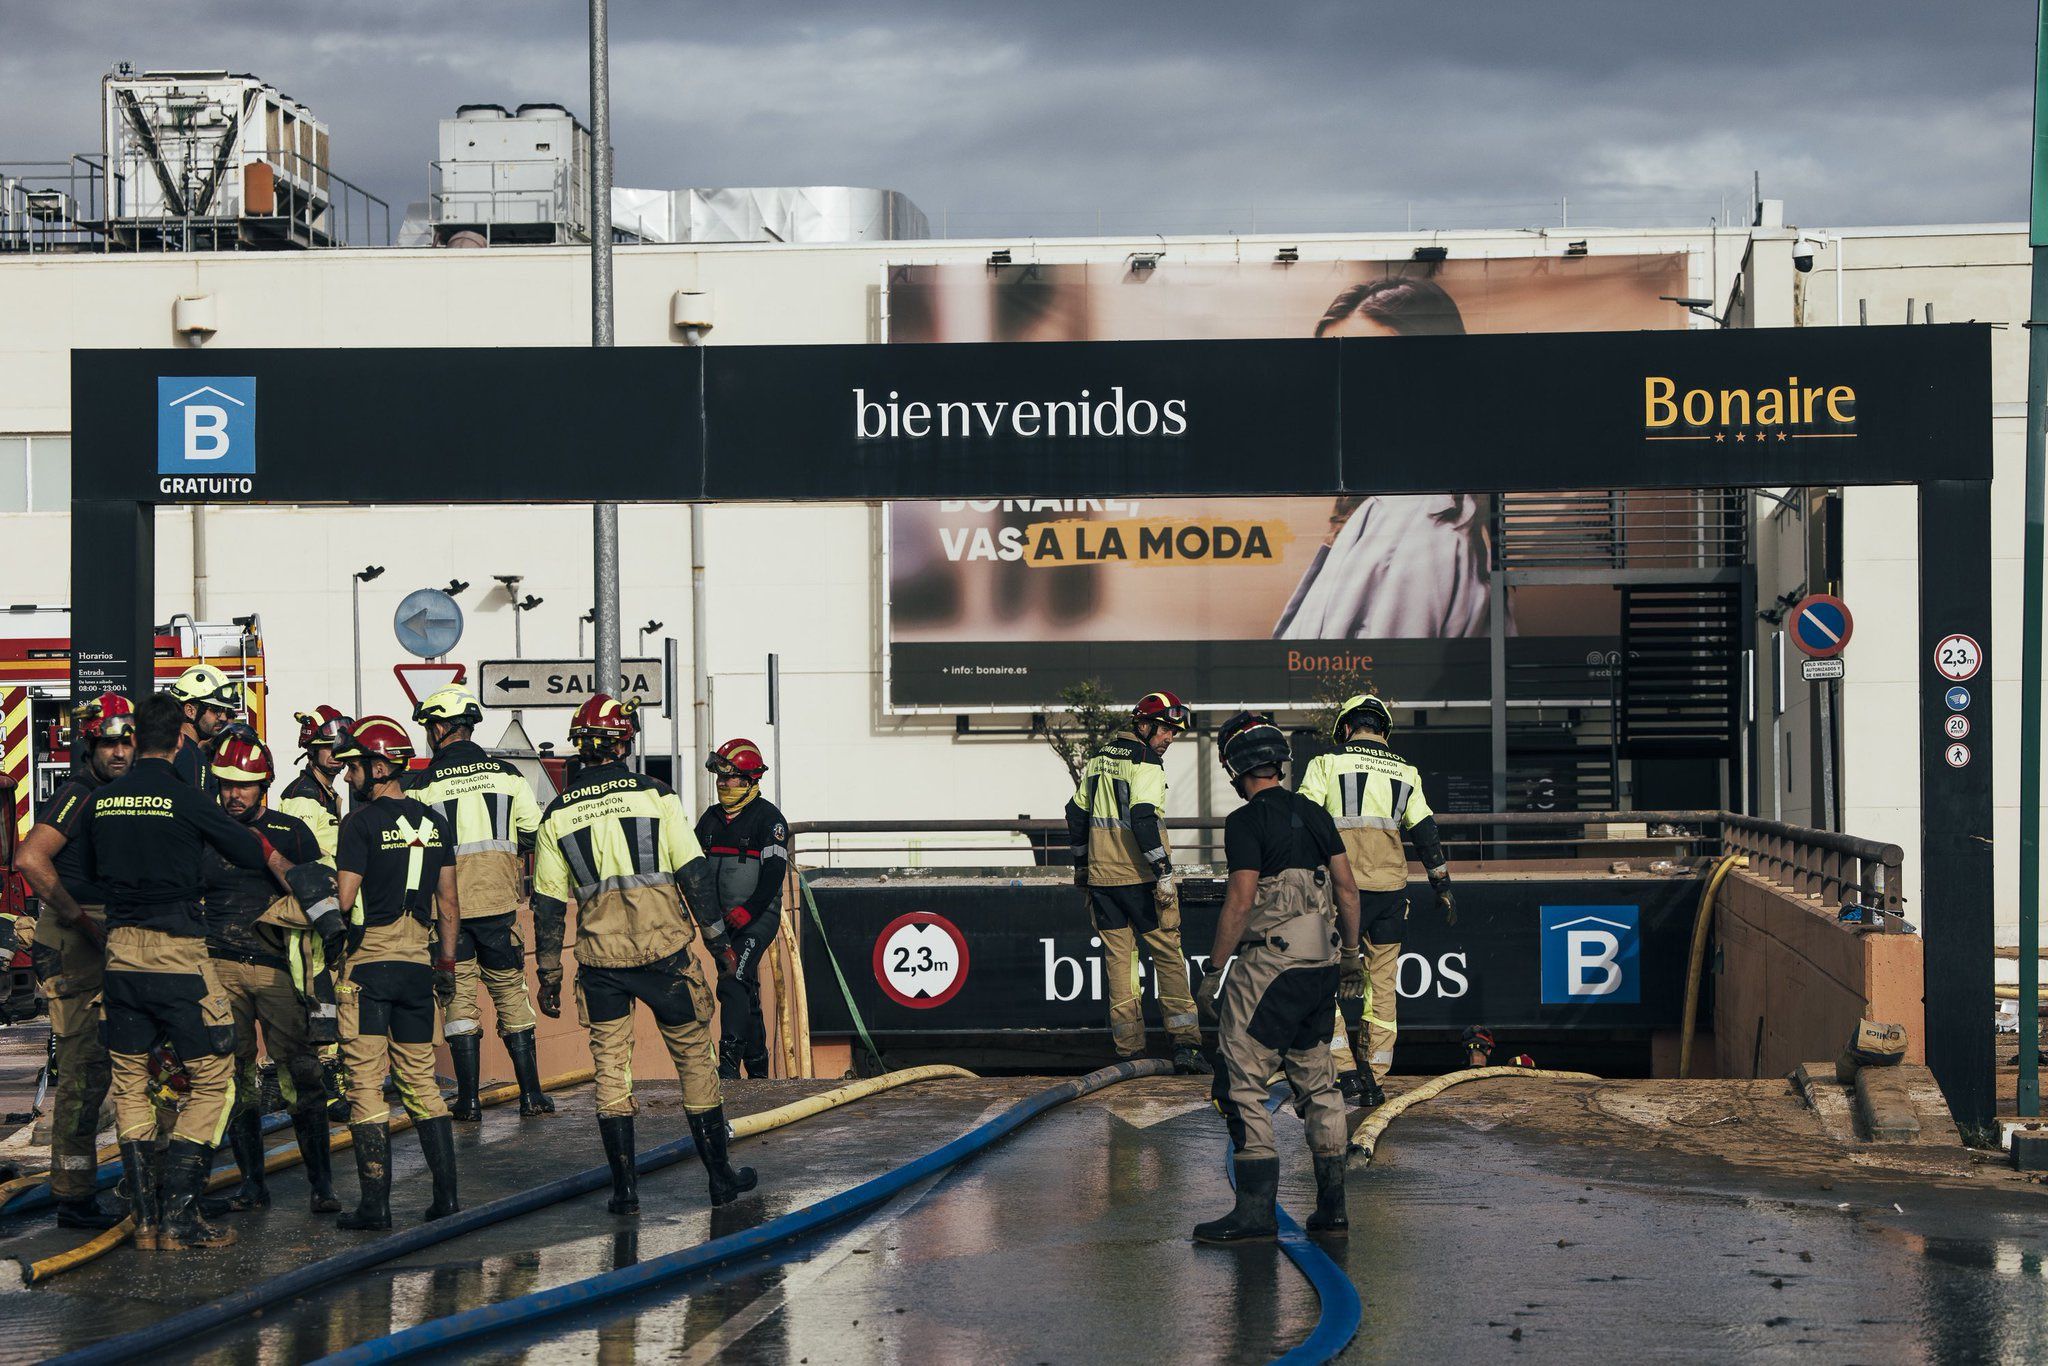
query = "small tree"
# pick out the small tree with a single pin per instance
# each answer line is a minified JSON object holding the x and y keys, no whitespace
{"x":1332,"y":692}
{"x":1089,"y":718}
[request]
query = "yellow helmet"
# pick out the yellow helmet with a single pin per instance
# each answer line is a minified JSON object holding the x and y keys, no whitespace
{"x":1367,"y":710}
{"x":454,"y":704}
{"x":208,"y":687}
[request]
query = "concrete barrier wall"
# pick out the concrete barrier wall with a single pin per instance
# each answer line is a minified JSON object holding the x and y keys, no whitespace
{"x":1791,"y":983}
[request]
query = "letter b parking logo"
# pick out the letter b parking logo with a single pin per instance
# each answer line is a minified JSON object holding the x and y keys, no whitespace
{"x":1591,"y":955}
{"x":206,"y":424}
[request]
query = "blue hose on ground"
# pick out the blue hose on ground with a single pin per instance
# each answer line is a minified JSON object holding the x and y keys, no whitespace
{"x":441,"y":1334}
{"x":151,"y":1342}
{"x":38,"y":1198}
{"x":1342,"y":1310}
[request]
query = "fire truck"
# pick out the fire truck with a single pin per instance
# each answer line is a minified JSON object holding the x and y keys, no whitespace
{"x":35,"y":739}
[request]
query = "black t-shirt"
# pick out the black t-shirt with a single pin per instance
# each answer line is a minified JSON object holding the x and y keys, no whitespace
{"x":398,"y":846}
{"x":1277,"y":830}
{"x":66,"y":812}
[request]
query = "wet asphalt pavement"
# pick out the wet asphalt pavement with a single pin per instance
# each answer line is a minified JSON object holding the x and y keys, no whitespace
{"x":1068,"y":1242}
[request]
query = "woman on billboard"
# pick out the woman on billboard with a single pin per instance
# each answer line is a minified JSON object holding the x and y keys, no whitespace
{"x":1394,"y":568}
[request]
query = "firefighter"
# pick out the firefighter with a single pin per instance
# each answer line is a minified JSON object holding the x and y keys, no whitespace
{"x":1373,"y":795}
{"x":619,"y":845}
{"x":68,"y":963}
{"x":395,"y":880}
{"x":210,"y":702}
{"x":492,"y":812}
{"x":145,"y":837}
{"x":1115,"y":822}
{"x":250,"y":963}
{"x":748,"y":844}
{"x":1290,"y":916}
{"x":314,"y":796}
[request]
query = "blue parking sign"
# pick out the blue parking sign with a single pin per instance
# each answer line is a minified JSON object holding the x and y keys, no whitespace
{"x":206,"y":424}
{"x":1592,"y":955}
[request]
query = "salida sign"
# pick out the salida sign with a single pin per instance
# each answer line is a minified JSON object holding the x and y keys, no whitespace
{"x":564,"y":682}
{"x":1527,"y":955}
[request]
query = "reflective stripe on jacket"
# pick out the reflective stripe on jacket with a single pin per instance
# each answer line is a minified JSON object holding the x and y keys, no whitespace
{"x":1373,"y":795}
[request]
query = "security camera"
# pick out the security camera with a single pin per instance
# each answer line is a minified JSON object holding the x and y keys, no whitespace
{"x":1802,"y":254}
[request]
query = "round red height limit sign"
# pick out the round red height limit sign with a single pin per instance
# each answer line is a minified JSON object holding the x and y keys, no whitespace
{"x":920,"y":960}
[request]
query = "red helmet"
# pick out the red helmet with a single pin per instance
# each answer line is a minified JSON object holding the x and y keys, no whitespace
{"x":242,"y":760}
{"x":1164,"y":708}
{"x":603,"y":717}
{"x":375,"y":737}
{"x":110,"y":716}
{"x":738,"y":759}
{"x":324,"y":725}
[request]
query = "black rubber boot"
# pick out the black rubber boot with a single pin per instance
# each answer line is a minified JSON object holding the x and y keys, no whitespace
{"x":727,"y":1184}
{"x":728,"y":1059}
{"x":245,"y":1141}
{"x":1370,"y":1095}
{"x":437,"y":1141}
{"x":466,"y":1050}
{"x":1258,"y":1181}
{"x":1188,"y":1060}
{"x":311,"y":1128}
{"x":526,"y":1067}
{"x":139,"y":1162}
{"x":1332,"y":1215}
{"x":618,"y":1154}
{"x":757,"y":1066}
{"x":186,"y":1166}
{"x":86,"y":1211}
{"x":373,"y":1173}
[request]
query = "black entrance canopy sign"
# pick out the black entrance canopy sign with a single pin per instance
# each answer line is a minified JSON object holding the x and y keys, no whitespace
{"x":1536,"y":412}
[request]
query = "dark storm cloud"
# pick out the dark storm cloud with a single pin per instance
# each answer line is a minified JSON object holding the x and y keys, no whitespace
{"x":1044,"y":117}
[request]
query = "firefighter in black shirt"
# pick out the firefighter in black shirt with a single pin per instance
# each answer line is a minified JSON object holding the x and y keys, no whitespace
{"x":395,"y":876}
{"x":249,"y":960}
{"x":1290,"y":916}
{"x":146,"y":838}
{"x":68,"y":963}
{"x":747,"y":842}
{"x":209,"y":702}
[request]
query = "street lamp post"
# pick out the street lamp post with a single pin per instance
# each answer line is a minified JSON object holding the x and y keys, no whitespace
{"x":355,"y":593}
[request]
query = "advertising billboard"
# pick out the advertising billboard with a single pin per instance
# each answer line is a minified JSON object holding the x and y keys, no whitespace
{"x":1005,"y":602}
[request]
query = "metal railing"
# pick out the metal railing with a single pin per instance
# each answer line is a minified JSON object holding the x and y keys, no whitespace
{"x":1835,"y":868}
{"x":1620,"y":529}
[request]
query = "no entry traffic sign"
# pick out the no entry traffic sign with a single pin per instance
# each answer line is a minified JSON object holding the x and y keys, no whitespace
{"x":1821,"y":625}
{"x":920,"y":960}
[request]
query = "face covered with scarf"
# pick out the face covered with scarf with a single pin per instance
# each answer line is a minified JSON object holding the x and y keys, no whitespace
{"x":735,"y":791}
{"x":739,"y":766}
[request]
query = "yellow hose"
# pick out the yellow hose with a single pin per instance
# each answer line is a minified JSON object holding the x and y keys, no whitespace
{"x":102,"y":1243}
{"x":1366,"y":1140}
{"x":1702,"y":921}
{"x":744,"y":1127}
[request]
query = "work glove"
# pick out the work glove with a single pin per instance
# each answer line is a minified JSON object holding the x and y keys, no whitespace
{"x":550,"y":997}
{"x":1080,"y":872}
{"x":1445,"y":902}
{"x":1166,"y":891}
{"x":738,"y":918}
{"x":723,"y":955}
{"x":444,"y":981}
{"x":1351,"y":974}
{"x":1208,"y":993}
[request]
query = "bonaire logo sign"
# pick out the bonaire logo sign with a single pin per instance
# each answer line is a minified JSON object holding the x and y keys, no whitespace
{"x":1772,"y":414}
{"x":206,"y":434}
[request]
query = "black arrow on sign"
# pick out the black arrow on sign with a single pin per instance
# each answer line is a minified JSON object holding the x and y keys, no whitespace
{"x":507,"y":684}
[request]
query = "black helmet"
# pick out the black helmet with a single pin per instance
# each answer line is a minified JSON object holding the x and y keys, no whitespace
{"x":1250,"y":740}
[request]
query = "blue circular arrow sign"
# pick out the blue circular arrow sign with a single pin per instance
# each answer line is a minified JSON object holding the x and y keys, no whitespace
{"x":427,"y":623}
{"x":1821,"y":625}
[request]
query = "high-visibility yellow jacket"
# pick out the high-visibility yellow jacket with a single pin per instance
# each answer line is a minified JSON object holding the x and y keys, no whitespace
{"x":494,"y":817}
{"x":319,"y":808}
{"x":1113,"y":818}
{"x":1374,"y":795}
{"x":618,"y":843}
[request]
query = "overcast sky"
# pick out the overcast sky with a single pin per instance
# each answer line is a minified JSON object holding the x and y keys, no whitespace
{"x":1189,"y":116}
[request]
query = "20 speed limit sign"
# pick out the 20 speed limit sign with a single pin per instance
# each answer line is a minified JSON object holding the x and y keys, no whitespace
{"x":920,"y":960}
{"x":1957,"y":658}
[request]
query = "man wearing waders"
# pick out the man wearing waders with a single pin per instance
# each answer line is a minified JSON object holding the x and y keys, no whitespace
{"x":1290,"y":906}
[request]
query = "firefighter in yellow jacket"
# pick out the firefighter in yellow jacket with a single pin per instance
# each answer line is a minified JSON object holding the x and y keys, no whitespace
{"x":619,"y":845}
{"x":494,"y":816}
{"x":1375,"y":796}
{"x":1115,"y":822}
